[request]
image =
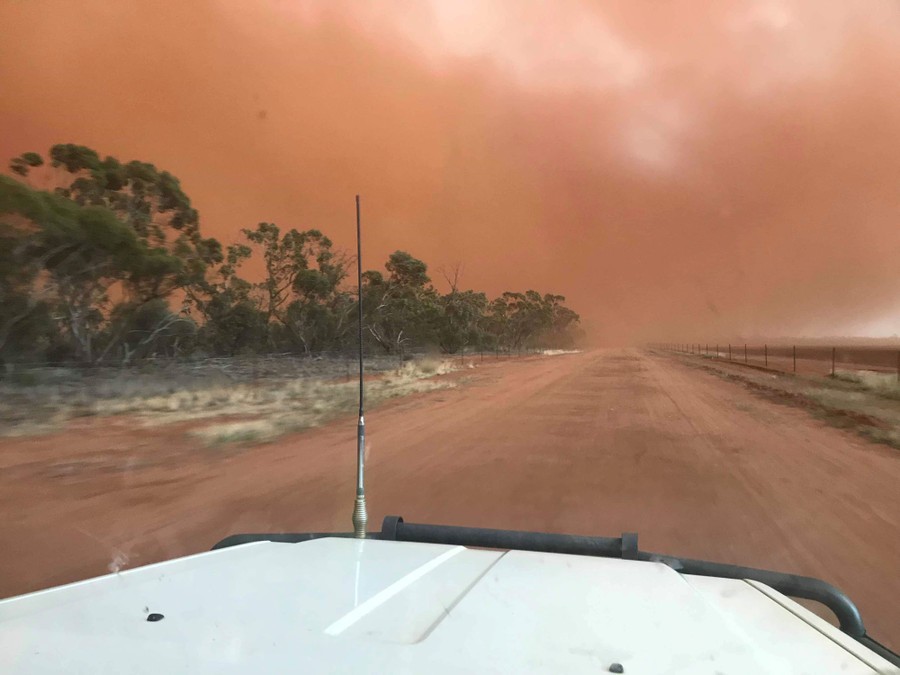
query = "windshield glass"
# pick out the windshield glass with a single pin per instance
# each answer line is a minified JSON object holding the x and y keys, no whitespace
{"x":625,"y":267}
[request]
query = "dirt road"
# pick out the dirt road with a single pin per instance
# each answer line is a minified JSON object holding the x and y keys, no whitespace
{"x":594,"y":443}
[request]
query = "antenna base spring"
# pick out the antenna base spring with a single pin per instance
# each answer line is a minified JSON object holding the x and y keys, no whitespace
{"x":360,"y":517}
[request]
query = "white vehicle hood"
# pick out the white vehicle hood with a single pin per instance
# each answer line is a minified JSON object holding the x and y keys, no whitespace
{"x":345,"y":605}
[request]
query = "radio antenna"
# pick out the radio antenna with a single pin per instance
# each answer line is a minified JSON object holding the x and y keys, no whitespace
{"x":360,"y":517}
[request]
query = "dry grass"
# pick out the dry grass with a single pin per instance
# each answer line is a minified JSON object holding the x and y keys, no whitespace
{"x":883,"y":384}
{"x":263,"y":399}
{"x":311,"y":403}
{"x":860,"y":401}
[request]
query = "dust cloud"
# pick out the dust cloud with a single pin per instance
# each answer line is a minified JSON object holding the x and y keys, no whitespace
{"x":678,"y":170}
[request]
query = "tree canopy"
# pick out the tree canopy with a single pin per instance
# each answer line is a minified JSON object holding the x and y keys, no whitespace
{"x":104,"y":262}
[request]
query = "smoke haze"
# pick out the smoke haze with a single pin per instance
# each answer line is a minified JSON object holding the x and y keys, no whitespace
{"x":677,"y":170}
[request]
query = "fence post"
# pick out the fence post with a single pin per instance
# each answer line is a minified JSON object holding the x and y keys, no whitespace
{"x":795,"y":357}
{"x":833,"y":351}
{"x":766,"y":354}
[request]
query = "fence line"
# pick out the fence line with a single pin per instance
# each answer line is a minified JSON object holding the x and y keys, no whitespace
{"x":785,"y":358}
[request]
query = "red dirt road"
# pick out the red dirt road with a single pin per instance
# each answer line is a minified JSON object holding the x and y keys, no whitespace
{"x":594,"y":443}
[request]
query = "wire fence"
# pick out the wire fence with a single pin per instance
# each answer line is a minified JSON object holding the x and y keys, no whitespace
{"x":803,"y":359}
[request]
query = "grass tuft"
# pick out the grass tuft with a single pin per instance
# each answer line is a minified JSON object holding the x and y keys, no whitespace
{"x":883,"y":384}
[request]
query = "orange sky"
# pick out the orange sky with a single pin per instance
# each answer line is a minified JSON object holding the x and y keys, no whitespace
{"x":679,"y":170}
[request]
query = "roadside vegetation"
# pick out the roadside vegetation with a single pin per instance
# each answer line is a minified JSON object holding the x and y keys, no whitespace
{"x":228,"y":399}
{"x":865,"y":402}
{"x":112,"y":302}
{"x":103,"y":262}
{"x":883,"y":384}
